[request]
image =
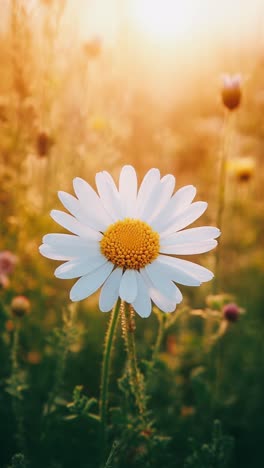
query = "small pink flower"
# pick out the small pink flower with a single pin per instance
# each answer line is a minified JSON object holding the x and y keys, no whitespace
{"x":7,"y":262}
{"x":7,"y":265}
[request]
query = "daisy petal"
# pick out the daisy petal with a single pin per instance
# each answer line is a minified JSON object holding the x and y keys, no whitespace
{"x":193,"y":235}
{"x":128,"y":286}
{"x":110,"y":290}
{"x":184,"y":218}
{"x":69,"y":240}
{"x":128,"y":190}
{"x":72,"y":224}
{"x":88,"y":284}
{"x":161,"y":196}
{"x":55,"y":254}
{"x":188,"y":248}
{"x":109,"y":195}
{"x":183,"y":271}
{"x":180,"y":200}
{"x":79,"y":266}
{"x":160,"y":277}
{"x":164,"y":295}
{"x":148,"y":186}
{"x":73,"y":206}
{"x":142,"y":303}
{"x":66,"y":249}
{"x":93,"y":207}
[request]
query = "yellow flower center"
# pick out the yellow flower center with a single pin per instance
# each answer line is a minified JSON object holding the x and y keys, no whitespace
{"x":130,"y":243}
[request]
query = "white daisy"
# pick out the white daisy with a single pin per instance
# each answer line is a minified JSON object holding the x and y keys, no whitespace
{"x":126,"y":240}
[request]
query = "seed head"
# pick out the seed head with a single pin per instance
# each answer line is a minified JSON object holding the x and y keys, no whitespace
{"x":20,"y":306}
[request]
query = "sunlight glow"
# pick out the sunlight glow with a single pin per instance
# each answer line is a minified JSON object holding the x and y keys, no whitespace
{"x":164,"y":20}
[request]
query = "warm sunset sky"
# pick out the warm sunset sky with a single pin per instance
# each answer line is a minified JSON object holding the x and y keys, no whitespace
{"x":161,"y":20}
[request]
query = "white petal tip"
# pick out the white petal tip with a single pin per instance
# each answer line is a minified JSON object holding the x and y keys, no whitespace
{"x":53,"y":215}
{"x":76,"y":181}
{"x":57,"y":275}
{"x":142,"y":315}
{"x":211,"y":277}
{"x":46,"y":239}
{"x":103,"y":310}
{"x":128,"y":166}
{"x":169,"y":311}
{"x":208,"y":278}
{"x":60,"y":195}
{"x":74,"y":298}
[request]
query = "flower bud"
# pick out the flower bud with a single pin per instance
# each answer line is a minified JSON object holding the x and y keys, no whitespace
{"x":43,"y":143}
{"x":20,"y":306}
{"x":231,"y":312}
{"x":231,"y":91}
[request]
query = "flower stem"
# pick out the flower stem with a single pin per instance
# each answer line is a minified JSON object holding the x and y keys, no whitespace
{"x":64,"y":339}
{"x":224,"y":153}
{"x":136,"y":381}
{"x":16,"y":403}
{"x":109,"y":340}
{"x":159,"y":339}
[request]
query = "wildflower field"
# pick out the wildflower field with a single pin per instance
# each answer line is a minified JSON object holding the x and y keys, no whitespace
{"x":131,"y":234}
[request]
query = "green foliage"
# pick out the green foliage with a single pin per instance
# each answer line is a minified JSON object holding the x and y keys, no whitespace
{"x":61,"y":340}
{"x":16,"y":384}
{"x":215,"y":454}
{"x":18,"y":461}
{"x":81,"y":406}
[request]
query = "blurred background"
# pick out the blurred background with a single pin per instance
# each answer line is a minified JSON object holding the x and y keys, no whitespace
{"x":91,"y":85}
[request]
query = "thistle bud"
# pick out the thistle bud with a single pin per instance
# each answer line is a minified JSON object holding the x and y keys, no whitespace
{"x":231,"y":91}
{"x":231,"y":312}
{"x":43,"y":143}
{"x":20,"y":306}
